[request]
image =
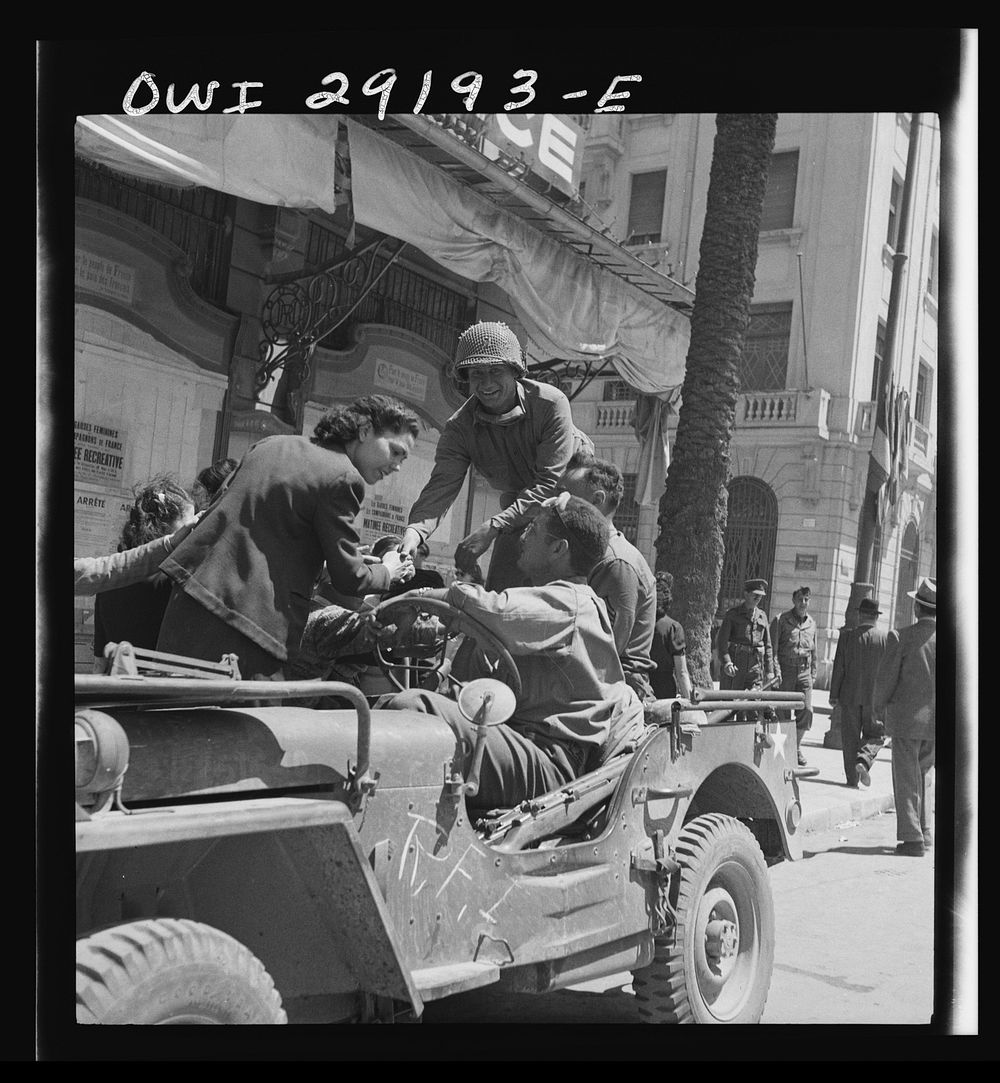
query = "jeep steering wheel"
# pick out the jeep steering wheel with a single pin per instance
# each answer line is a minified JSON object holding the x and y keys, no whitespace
{"x":392,"y":659}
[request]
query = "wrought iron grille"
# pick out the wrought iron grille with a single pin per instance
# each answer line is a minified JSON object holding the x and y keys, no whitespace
{"x":764,"y":362}
{"x":627,"y":514}
{"x":400,"y":297}
{"x":618,"y":391}
{"x":751,"y":534}
{"x":197,"y":220}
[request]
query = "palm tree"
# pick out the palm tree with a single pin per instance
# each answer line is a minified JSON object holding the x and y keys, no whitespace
{"x":693,"y":507}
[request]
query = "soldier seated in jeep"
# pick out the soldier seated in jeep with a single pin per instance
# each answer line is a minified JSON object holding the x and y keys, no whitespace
{"x":575,"y":709}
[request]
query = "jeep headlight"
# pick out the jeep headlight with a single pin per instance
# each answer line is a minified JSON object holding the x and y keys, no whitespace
{"x":101,"y":758}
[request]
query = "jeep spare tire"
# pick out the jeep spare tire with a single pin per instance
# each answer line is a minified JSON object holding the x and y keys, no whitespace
{"x":715,"y":965}
{"x":171,"y":971}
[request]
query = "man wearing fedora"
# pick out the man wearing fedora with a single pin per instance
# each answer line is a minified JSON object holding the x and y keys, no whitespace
{"x":852,"y":688}
{"x":904,"y":697}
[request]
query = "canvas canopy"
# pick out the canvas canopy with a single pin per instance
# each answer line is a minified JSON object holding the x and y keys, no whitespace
{"x":569,"y":305}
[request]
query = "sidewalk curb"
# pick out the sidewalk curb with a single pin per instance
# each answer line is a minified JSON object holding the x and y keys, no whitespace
{"x":823,"y":819}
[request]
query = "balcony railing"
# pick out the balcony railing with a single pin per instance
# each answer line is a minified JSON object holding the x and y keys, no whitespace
{"x":754,"y":409}
{"x":615,"y":416}
{"x":767,"y":408}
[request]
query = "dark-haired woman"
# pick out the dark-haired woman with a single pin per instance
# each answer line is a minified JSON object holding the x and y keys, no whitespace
{"x":210,"y":480}
{"x":133,"y":614}
{"x":669,"y":647}
{"x":243,"y":579}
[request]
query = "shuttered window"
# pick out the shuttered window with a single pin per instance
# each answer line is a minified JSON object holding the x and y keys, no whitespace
{"x":895,"y":198}
{"x":932,"y":267}
{"x":645,"y":208}
{"x":879,"y":359}
{"x":779,"y":196}
{"x":922,"y":398}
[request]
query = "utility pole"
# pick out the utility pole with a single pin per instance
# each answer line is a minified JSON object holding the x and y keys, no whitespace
{"x":868,"y":522}
{"x":862,"y":587}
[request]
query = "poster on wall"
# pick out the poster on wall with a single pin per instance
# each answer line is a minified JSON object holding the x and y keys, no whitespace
{"x":98,"y":518}
{"x":386,"y":509}
{"x":98,"y":454}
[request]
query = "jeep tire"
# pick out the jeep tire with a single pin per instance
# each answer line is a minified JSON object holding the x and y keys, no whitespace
{"x":715,"y":965}
{"x":171,"y":971}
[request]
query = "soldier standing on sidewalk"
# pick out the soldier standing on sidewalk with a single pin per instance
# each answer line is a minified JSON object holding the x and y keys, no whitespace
{"x":793,"y":637}
{"x":852,"y":686}
{"x":745,"y":642}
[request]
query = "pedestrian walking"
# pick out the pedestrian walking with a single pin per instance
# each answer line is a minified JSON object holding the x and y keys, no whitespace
{"x":852,"y":688}
{"x":744,"y":643}
{"x":905,"y":697}
{"x":793,"y":638}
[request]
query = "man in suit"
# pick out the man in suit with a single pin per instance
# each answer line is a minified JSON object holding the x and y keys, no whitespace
{"x":852,"y":687}
{"x":904,"y":696}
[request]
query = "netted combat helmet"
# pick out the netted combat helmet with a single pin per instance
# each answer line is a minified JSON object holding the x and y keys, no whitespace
{"x":489,"y":343}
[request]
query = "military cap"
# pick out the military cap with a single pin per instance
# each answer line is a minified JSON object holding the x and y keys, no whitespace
{"x":868,"y":607}
{"x":755,"y":586}
{"x":488,"y":343}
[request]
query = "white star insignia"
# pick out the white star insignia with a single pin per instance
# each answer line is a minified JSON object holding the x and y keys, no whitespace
{"x":779,"y":738}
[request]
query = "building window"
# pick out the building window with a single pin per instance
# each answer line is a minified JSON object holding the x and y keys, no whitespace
{"x":895,"y":198}
{"x":932,"y":267}
{"x":764,"y":362}
{"x":401,"y":297}
{"x":909,"y":561}
{"x":645,"y":209}
{"x":876,"y":572}
{"x":197,"y":220}
{"x":627,"y":515}
{"x":922,"y":398}
{"x":879,"y":359}
{"x":779,"y":196}
{"x":618,"y":391}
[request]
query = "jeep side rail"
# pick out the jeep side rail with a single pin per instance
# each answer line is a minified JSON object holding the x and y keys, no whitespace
{"x":93,"y":690}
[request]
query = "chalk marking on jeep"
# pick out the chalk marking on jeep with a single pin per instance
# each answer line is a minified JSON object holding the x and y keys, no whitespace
{"x":457,"y":868}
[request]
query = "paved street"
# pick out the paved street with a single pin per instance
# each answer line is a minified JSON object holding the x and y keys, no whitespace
{"x":854,"y":944}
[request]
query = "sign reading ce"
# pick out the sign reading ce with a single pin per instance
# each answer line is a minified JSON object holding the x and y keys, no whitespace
{"x":551,"y":145}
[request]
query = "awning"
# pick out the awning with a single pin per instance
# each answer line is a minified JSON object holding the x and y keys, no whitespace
{"x":571,"y":306}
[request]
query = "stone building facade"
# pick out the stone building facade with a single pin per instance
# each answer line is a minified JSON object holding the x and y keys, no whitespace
{"x":815,"y":350}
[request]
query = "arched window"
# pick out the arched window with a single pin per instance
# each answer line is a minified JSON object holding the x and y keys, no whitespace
{"x":909,"y":560}
{"x":751,"y":533}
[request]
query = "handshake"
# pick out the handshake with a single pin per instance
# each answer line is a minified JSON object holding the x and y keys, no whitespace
{"x":400,"y":564}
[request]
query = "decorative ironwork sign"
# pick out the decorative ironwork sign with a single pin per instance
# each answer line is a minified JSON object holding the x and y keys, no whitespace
{"x":299,"y":314}
{"x":564,"y":373}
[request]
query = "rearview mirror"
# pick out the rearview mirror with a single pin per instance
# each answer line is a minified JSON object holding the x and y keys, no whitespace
{"x":486,"y":702}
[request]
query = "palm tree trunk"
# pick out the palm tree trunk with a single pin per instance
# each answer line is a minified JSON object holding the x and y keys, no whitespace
{"x":693,"y":508}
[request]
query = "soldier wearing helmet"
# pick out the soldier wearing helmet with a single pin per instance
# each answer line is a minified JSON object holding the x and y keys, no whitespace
{"x":518,"y":433}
